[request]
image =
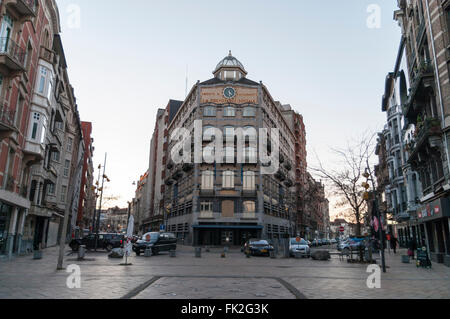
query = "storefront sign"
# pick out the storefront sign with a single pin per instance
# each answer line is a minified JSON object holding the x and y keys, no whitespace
{"x":437,"y":209}
{"x":216,"y":95}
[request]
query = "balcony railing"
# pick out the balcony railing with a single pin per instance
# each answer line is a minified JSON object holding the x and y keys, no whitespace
{"x":14,"y":53}
{"x":23,"y":8}
{"x":429,"y":127}
{"x":47,"y":55}
{"x":6,"y":118}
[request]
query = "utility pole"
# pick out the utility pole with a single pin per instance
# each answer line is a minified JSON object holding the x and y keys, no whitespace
{"x":100,"y":208}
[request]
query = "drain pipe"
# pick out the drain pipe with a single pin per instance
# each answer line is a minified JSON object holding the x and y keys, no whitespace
{"x":441,"y":102}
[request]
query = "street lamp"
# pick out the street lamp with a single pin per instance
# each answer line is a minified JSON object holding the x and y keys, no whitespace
{"x":369,"y":177}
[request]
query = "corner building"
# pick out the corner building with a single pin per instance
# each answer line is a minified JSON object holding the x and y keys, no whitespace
{"x":228,"y":203}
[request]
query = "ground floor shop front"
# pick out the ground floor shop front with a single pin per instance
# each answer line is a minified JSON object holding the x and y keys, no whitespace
{"x":222,"y":235}
{"x":429,"y":228}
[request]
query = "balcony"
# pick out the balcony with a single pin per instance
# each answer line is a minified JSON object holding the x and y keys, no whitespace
{"x":12,"y":57}
{"x":422,"y":81}
{"x":6,"y":121}
{"x":34,"y":150}
{"x":427,"y":133}
{"x":47,"y":55}
{"x":22,"y":8}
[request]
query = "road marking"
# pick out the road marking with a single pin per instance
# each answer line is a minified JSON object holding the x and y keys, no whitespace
{"x":136,"y":291}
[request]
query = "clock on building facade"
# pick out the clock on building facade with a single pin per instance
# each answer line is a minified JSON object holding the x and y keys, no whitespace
{"x":229,"y":93}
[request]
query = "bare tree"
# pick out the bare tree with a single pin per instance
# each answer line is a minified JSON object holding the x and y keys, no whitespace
{"x":346,"y":179}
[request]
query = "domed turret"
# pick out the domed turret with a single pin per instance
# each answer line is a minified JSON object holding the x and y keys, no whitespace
{"x":230,"y":69}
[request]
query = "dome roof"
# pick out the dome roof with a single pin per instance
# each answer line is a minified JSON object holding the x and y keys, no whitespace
{"x":230,"y":62}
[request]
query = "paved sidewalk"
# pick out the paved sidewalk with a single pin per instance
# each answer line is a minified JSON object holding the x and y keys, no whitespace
{"x":233,"y":277}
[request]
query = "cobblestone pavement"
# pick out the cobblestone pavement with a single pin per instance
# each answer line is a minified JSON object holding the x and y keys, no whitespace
{"x":233,"y":277}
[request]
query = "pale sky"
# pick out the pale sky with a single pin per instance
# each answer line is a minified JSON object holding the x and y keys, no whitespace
{"x":126,"y":59}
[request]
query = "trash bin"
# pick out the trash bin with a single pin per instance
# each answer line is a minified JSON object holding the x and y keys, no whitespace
{"x":198,"y":252}
{"x":37,"y":254}
{"x":148,"y":252}
{"x":81,"y":252}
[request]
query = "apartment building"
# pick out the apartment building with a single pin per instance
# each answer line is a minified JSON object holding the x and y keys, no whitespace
{"x":41,"y":137}
{"x":417,"y":102}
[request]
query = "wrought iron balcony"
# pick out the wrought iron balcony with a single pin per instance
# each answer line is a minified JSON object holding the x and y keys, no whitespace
{"x":427,"y":129}
{"x":12,"y":56}
{"x":7,"y":119}
{"x":22,"y":8}
{"x":419,"y":86}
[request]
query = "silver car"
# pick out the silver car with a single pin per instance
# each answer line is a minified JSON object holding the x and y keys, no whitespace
{"x":299,"y":247}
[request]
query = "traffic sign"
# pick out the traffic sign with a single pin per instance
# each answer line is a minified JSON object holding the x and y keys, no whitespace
{"x":342,"y":229}
{"x":162,"y":227}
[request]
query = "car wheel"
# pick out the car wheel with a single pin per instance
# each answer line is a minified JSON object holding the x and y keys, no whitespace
{"x":75,"y":247}
{"x":138,"y":253}
{"x":155,"y":251}
{"x":346,"y":251}
{"x":109,"y":247}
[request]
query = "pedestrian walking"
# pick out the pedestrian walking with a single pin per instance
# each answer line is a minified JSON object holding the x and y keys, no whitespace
{"x":394,"y":242}
{"x":412,"y":248}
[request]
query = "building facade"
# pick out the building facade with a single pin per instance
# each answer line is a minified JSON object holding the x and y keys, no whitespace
{"x":40,"y":133}
{"x":417,"y":101}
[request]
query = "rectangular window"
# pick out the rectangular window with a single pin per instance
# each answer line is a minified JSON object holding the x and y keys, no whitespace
{"x":249,"y":112}
{"x":55,"y":156}
{"x":229,"y":111}
{"x":209,"y":111}
{"x":66,"y":168}
{"x":206,"y":207}
{"x":207,"y":180}
{"x":63,"y":193}
{"x":249,"y":182}
{"x":69,"y":144}
{"x":42,"y":79}
{"x":34,"y":131}
{"x":228,"y":179}
{"x":51,"y":189}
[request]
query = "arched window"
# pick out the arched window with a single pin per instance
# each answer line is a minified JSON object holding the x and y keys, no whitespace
{"x":250,"y":155}
{"x":209,"y":110}
{"x":229,"y":155}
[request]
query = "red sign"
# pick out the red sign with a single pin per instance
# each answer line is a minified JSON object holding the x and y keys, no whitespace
{"x":341,"y":229}
{"x":298,"y":239}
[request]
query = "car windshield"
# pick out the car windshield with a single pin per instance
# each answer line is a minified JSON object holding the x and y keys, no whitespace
{"x":150,"y":237}
{"x":301,"y":242}
{"x":259,"y":242}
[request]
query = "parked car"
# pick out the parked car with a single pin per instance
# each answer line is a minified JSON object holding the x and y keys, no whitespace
{"x":301,"y":247}
{"x":157,"y":242}
{"x":319,"y":242}
{"x":334,"y":241}
{"x":350,"y":245}
{"x":107,"y":241}
{"x":258,"y":247}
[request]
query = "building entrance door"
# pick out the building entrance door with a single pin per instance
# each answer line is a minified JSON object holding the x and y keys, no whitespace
{"x":5,"y":215}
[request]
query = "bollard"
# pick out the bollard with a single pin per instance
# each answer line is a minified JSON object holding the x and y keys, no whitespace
{"x":172,"y":253}
{"x":198,"y":252}
{"x":81,"y":252}
{"x":148,"y":252}
{"x":272,"y":254}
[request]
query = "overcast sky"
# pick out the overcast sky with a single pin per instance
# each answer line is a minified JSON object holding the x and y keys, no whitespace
{"x":126,"y":59}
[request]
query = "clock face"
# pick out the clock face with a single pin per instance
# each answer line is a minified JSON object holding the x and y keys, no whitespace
{"x":229,"y":93}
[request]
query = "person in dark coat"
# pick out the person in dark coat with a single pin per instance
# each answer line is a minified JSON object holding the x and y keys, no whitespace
{"x":394,"y":242}
{"x":412,"y":246}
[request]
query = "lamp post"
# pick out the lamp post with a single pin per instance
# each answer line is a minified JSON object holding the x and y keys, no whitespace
{"x":97,"y":226}
{"x":369,"y":177}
